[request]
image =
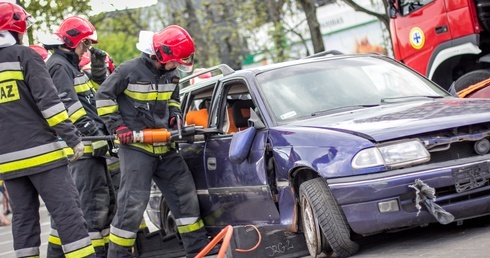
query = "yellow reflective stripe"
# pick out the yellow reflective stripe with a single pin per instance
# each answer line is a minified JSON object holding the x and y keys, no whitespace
{"x":11,"y":75}
{"x":84,"y":252}
{"x":106,"y":239}
{"x":95,"y":85}
{"x":32,"y":162}
{"x":153,"y":149}
{"x":77,"y":115}
{"x":173,"y":103}
{"x":56,"y":119}
{"x":142,"y":224}
{"x":128,"y":242}
{"x":68,"y":151}
{"x":107,"y":110}
{"x":99,"y":144}
{"x":82,"y":87}
{"x":191,"y":227}
{"x":148,"y":96}
{"x":54,"y":240}
{"x":113,"y":166}
{"x":98,"y":242}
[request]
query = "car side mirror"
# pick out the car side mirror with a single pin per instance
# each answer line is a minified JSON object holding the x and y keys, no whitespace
{"x":241,"y":144}
{"x":242,"y":141}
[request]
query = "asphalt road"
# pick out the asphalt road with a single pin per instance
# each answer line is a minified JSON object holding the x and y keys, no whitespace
{"x":472,"y":239}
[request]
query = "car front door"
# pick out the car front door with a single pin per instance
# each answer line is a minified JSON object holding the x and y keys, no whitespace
{"x":239,"y":193}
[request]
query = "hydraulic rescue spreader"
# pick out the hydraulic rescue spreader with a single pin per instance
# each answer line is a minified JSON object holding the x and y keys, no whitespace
{"x":151,"y":136}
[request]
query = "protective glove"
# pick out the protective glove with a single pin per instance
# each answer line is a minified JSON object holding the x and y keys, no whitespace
{"x":98,"y":69}
{"x":172,"y":123}
{"x":124,"y":134}
{"x":77,"y":152}
{"x":87,"y":129}
{"x":97,"y":57}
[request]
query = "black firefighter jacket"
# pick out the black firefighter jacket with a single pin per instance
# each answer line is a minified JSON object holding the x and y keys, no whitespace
{"x":78,"y":95}
{"x":32,"y":116}
{"x":139,"y":96}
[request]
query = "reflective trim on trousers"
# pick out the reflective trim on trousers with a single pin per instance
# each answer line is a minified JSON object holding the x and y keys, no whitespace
{"x":122,"y":237}
{"x":27,"y":252}
{"x":97,"y":239}
{"x":80,"y":248}
{"x":191,"y":227}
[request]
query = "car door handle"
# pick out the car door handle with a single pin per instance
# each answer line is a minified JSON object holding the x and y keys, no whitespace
{"x":441,"y":29}
{"x":211,"y":163}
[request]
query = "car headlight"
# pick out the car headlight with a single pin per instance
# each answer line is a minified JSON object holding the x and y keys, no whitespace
{"x":392,"y":155}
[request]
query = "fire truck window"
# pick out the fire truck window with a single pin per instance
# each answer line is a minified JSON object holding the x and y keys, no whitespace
{"x":408,"y":6}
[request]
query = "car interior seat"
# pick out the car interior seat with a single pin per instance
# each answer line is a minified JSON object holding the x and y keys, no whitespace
{"x":199,"y":117}
{"x":241,"y":113}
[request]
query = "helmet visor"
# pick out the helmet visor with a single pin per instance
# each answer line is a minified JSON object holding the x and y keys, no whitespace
{"x":186,"y":64}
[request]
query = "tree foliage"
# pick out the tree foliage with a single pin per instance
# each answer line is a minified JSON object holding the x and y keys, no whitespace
{"x":48,"y":14}
{"x":224,"y":31}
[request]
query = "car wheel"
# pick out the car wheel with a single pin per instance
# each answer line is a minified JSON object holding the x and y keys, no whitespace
{"x":319,"y":210}
{"x":167,"y":219}
{"x":315,"y":239}
{"x":470,"y":78}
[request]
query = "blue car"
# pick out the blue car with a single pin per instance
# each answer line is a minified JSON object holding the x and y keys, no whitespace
{"x":335,"y":148}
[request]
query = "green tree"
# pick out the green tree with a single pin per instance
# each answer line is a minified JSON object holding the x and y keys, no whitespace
{"x":118,"y":32}
{"x":50,"y":13}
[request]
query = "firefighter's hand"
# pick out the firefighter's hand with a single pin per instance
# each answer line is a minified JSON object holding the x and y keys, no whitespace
{"x":77,"y":152}
{"x":124,"y":134}
{"x":97,"y":58}
{"x":172,"y":124}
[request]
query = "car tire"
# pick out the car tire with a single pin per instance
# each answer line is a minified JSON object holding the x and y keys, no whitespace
{"x":167,"y":220}
{"x":316,"y":198}
{"x":470,"y":78}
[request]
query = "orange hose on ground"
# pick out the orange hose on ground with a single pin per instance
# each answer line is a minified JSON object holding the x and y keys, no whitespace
{"x":256,"y":245}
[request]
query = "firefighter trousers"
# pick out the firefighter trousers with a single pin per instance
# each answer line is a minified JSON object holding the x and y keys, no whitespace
{"x":61,"y":198}
{"x":174,"y":179}
{"x":97,"y":200}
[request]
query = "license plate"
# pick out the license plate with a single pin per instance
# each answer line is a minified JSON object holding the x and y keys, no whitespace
{"x":471,"y":177}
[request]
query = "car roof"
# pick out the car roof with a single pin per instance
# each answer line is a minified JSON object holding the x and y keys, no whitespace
{"x":224,"y":70}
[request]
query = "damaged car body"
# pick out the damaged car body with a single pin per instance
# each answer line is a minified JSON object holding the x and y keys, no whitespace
{"x":334,"y":148}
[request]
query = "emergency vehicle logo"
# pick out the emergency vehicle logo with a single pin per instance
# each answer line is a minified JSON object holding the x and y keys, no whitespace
{"x":417,"y":38}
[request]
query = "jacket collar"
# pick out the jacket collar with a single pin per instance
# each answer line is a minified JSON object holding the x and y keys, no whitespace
{"x":151,"y":65}
{"x":71,"y":56}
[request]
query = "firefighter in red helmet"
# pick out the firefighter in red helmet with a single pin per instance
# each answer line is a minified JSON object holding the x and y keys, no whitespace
{"x":32,"y":160}
{"x":74,"y":37}
{"x":143,"y":93}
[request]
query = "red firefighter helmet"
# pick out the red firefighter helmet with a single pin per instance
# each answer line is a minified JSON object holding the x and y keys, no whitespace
{"x":75,"y":29}
{"x":13,"y":17}
{"x":174,"y":44}
{"x":41,"y":51}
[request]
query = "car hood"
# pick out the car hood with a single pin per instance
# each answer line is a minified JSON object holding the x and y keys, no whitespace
{"x":398,"y":120}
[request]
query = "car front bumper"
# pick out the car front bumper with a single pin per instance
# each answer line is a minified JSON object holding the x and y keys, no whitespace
{"x":360,"y":196}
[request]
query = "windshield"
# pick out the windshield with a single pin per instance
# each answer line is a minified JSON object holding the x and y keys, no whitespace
{"x":336,"y":85}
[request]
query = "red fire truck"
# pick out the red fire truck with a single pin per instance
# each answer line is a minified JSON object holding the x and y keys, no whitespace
{"x":446,"y":40}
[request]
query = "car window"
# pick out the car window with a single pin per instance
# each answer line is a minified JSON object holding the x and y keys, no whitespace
{"x":408,"y":6}
{"x":234,"y":108}
{"x":302,"y":91}
{"x":195,"y":105}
